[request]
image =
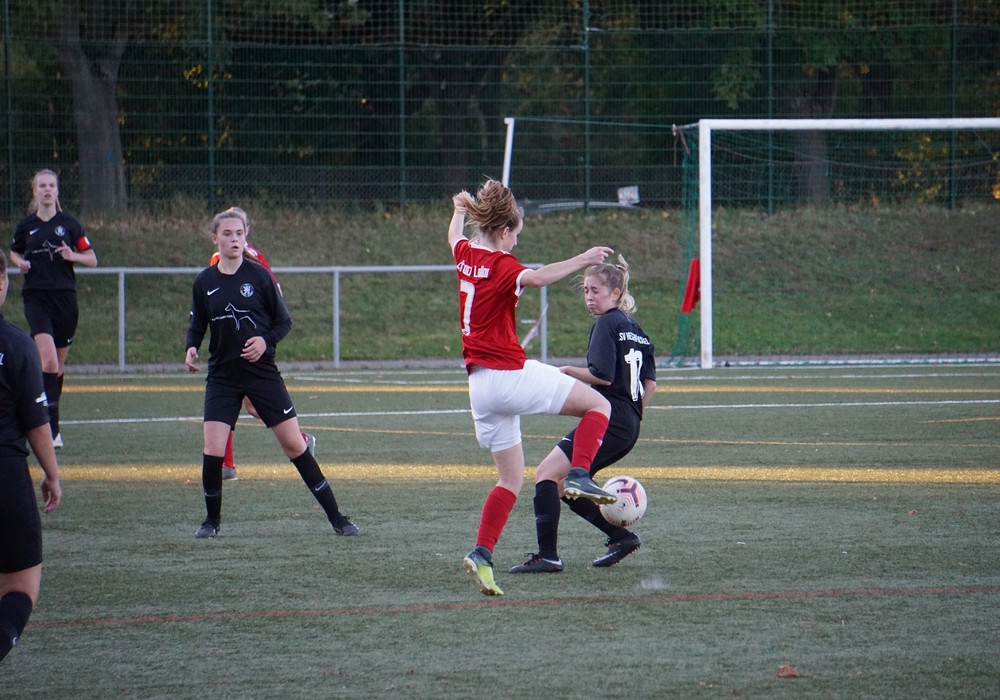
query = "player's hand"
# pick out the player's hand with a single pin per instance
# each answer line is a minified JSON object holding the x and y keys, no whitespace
{"x":52,"y":493}
{"x":24,"y":266}
{"x":65,"y":252}
{"x":597,"y":255}
{"x":253,"y":349}
{"x":189,"y":358}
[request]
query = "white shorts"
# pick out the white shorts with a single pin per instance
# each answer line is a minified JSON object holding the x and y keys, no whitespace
{"x":500,"y":397}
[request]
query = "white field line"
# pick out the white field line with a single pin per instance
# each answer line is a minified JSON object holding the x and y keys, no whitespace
{"x":363,"y":414}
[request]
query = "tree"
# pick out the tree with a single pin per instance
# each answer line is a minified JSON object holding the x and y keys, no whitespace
{"x":91,"y":36}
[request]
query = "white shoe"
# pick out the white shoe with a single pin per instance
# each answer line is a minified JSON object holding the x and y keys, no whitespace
{"x":229,"y":474}
{"x":57,"y":441}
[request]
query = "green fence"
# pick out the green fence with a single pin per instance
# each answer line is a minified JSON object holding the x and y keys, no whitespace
{"x":357,"y":102}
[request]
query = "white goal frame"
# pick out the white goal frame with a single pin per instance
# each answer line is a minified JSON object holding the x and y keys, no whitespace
{"x":705,"y":129}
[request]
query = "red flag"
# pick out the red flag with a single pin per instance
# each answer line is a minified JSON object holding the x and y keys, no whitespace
{"x":693,"y":291}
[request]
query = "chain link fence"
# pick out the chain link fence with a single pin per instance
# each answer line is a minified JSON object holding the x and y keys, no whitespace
{"x":384,"y":104}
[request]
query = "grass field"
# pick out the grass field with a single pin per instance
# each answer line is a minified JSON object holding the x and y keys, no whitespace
{"x":842,"y":521}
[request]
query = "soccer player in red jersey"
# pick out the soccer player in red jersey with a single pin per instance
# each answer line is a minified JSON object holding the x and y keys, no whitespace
{"x":503,"y":383}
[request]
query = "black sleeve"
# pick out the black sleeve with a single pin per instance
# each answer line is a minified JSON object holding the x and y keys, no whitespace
{"x":602,"y":351}
{"x":198,"y":324}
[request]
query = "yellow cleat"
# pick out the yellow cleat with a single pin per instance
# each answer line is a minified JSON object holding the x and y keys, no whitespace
{"x":479,"y":564}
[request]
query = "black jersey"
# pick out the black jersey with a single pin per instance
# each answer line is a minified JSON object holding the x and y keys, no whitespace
{"x":237,"y":307}
{"x":620,"y":352}
{"x":36,"y":241}
{"x":22,"y":397}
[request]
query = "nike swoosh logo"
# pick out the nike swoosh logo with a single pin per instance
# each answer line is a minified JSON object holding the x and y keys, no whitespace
{"x":213,"y":291}
{"x":288,"y":410}
{"x":33,"y":231}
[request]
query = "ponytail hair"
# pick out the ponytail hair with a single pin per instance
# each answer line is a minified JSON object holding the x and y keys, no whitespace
{"x":614,"y":276}
{"x":492,"y":209}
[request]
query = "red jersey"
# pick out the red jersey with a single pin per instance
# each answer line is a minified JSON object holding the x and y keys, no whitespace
{"x":489,"y":287}
{"x":253,"y":254}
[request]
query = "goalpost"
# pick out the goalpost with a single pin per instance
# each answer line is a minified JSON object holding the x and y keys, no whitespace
{"x":838,"y":240}
{"x":706,"y":128}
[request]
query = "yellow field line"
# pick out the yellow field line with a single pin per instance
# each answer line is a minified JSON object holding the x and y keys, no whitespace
{"x":191,"y":474}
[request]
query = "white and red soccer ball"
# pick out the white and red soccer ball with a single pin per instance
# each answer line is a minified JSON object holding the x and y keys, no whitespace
{"x":631,"y":503}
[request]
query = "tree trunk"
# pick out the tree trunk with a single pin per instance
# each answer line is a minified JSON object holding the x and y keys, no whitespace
{"x":96,"y":114}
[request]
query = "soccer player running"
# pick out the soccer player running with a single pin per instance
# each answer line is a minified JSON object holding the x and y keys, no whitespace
{"x":503,"y":383}
{"x":23,"y":419}
{"x":47,"y":244}
{"x":621,"y":366}
{"x":241,"y":303}
{"x":253,"y":254}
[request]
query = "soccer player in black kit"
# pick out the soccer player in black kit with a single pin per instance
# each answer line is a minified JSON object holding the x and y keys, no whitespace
{"x":23,"y":419}
{"x":240,"y":301}
{"x":621,"y":365}
{"x":47,"y":244}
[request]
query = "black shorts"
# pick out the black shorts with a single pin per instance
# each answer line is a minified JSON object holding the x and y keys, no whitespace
{"x":20,"y":524}
{"x":260,"y":382}
{"x":620,"y":438}
{"x":53,"y":312}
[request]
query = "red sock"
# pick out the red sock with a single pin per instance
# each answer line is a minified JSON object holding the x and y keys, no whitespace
{"x":227,"y":459}
{"x":588,"y":438}
{"x":496,"y":510}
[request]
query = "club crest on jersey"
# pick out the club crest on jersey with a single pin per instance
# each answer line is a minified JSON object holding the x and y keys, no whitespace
{"x":60,"y":231}
{"x":246,"y":290}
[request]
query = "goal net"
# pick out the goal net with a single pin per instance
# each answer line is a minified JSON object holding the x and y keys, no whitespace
{"x":836,"y":241}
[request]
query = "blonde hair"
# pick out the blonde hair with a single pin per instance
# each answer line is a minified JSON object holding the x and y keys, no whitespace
{"x":492,"y":209}
{"x":33,"y":207}
{"x":614,"y":277}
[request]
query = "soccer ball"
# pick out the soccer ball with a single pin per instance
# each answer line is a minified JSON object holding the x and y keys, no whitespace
{"x":631,"y":503}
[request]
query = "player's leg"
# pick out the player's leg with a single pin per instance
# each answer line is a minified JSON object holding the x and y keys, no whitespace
{"x":619,"y":439}
{"x":290,"y":438}
{"x":216,"y":434}
{"x":18,"y":594}
{"x":496,"y":511}
{"x":228,"y":462}
{"x":548,"y":476}
{"x":594,"y":411}
{"x":46,"y":346}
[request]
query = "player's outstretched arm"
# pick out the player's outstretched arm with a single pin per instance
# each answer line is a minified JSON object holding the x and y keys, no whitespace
{"x":553,"y":272}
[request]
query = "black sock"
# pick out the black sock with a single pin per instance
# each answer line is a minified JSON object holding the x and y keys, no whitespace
{"x":547,"y":519}
{"x":591,"y":512}
{"x":211,"y":481}
{"x":15,"y":608}
{"x":313,"y":477}
{"x":52,"y":383}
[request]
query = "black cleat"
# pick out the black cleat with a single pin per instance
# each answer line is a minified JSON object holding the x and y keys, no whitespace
{"x":344,"y":527}
{"x":579,"y":485}
{"x":618,"y":550}
{"x":538,"y":565}
{"x":209,"y":528}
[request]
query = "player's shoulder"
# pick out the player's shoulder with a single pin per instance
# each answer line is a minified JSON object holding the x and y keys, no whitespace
{"x":27,"y":221}
{"x":67,"y":220}
{"x":16,"y":340}
{"x":209,"y":273}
